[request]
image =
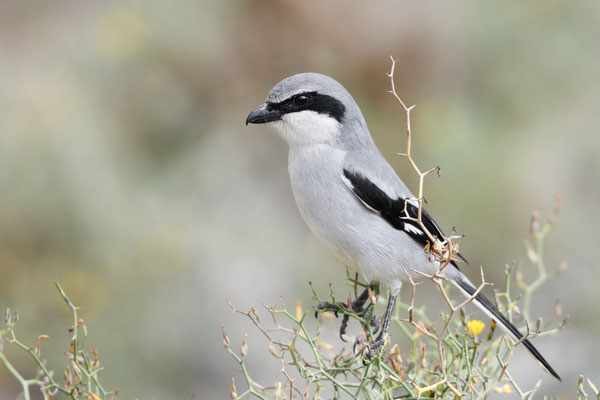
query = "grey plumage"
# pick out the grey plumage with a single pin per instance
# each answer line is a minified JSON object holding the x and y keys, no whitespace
{"x":329,"y":142}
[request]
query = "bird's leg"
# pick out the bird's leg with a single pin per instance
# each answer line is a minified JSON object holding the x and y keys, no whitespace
{"x":356,"y":307}
{"x":389,"y":311}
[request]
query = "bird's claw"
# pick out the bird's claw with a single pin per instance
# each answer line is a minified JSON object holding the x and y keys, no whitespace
{"x":344,"y":326}
{"x":375,"y":347}
{"x":371,"y":349}
{"x":354,"y":307}
{"x":335,"y":307}
{"x":357,"y":342}
{"x":326,"y":306}
{"x":375,"y":324}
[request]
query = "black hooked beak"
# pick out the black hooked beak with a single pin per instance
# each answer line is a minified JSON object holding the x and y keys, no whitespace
{"x":263,"y":114}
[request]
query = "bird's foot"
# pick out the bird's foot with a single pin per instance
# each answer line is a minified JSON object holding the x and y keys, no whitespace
{"x":370,"y":349}
{"x":355,"y":307}
{"x":325,"y":306}
{"x":375,"y":324}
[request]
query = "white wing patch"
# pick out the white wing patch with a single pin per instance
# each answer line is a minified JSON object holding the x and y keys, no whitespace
{"x":412,"y":229}
{"x":413,"y":201}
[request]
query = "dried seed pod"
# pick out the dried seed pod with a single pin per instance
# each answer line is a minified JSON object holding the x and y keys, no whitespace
{"x":233,"y":390}
{"x":225,"y":338}
{"x":244,"y":348}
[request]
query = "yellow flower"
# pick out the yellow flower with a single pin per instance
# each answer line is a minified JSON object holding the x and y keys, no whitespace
{"x":506,"y":389}
{"x":475,"y":326}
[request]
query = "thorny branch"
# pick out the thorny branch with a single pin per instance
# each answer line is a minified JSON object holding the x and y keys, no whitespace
{"x":439,"y":338}
{"x":442,"y":249}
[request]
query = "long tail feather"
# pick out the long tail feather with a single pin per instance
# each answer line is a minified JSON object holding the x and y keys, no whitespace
{"x":487,"y":307}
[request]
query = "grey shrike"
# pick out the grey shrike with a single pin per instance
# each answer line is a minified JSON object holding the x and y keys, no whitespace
{"x":351,"y":198}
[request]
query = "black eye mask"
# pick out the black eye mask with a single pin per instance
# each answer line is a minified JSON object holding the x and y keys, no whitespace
{"x":314,"y":101}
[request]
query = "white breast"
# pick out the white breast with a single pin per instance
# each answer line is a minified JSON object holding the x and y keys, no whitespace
{"x":318,"y":191}
{"x":358,"y":237}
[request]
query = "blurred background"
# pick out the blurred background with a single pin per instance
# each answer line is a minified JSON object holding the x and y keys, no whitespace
{"x":126,"y":170}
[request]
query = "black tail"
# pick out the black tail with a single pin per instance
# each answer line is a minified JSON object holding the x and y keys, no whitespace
{"x":486,"y":306}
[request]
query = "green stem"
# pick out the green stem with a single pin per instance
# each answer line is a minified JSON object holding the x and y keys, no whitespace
{"x":74,"y":312}
{"x":514,"y":384}
{"x":47,"y":374}
{"x":313,"y":348}
{"x":363,"y":381}
{"x":542,"y":274}
{"x":249,"y":380}
{"x":24,"y":382}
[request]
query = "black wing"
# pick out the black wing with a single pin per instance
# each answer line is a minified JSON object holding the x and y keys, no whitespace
{"x":394,"y":211}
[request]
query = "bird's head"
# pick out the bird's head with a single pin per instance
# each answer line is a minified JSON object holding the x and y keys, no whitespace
{"x":308,"y":108}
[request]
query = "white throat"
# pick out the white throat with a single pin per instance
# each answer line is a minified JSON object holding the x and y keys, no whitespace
{"x":307,"y":127}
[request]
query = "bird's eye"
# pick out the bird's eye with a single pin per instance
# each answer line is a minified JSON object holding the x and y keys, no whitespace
{"x":301,"y":100}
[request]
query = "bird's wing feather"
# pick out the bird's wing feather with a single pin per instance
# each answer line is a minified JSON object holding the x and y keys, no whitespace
{"x":400,"y":212}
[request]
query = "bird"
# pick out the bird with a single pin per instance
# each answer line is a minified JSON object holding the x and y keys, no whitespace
{"x":352,"y":199}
